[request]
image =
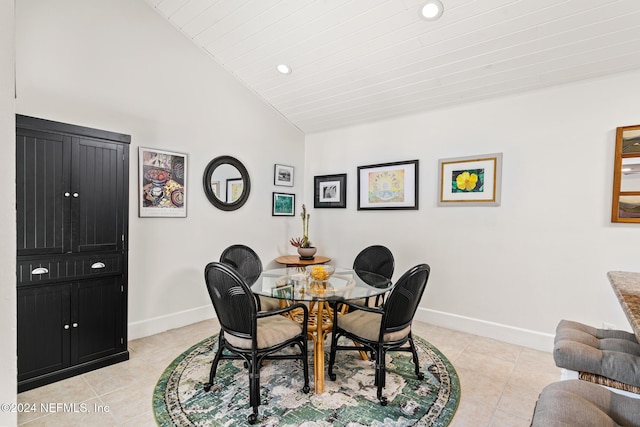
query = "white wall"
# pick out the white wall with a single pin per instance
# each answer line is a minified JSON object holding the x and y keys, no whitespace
{"x":511,"y":271}
{"x":8,"y":369}
{"x":117,"y":65}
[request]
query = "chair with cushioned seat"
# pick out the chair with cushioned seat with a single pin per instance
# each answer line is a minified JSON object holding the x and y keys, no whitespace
{"x":247,"y":262}
{"x":382,"y":329}
{"x":576,"y":403}
{"x":249,"y":334}
{"x":604,"y":356}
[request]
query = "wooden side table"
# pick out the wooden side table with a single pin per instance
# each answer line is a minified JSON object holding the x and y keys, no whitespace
{"x":295,"y":261}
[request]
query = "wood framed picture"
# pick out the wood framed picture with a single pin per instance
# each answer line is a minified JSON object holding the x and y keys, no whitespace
{"x":388,"y":186}
{"x":283,"y":175}
{"x":330,"y":191}
{"x":284,"y":204}
{"x":163,"y":183}
{"x":470,"y":181}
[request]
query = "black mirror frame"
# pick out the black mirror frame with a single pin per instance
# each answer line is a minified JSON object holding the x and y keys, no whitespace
{"x":206,"y":182}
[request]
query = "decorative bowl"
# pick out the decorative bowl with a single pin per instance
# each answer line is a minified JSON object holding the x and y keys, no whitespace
{"x":320,"y":273}
{"x":157,"y":176}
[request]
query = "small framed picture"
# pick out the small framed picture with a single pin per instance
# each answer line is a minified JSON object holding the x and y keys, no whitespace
{"x":284,"y":204}
{"x":283,"y":175}
{"x":470,"y":181}
{"x":283,"y":292}
{"x":330,"y":191}
{"x":215,"y":187}
{"x":388,"y":186}
{"x":235,"y":186}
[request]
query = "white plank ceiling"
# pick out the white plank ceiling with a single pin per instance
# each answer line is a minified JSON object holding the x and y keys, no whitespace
{"x":357,"y":61}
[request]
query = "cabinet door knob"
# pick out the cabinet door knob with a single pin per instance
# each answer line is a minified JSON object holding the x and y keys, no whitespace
{"x":66,"y":326}
{"x":75,"y":325}
{"x":67,"y":194}
{"x":39,"y":270}
{"x":75,"y":194}
{"x":98,"y":265}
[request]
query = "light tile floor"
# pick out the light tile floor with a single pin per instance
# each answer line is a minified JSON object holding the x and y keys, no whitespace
{"x":500,"y":382}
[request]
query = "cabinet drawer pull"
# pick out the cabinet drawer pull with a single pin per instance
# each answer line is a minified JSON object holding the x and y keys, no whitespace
{"x":40,"y":270}
{"x":66,"y":326}
{"x":75,"y":325}
{"x":98,"y":265}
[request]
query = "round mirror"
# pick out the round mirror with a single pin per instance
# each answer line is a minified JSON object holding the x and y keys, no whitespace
{"x":226,"y":183}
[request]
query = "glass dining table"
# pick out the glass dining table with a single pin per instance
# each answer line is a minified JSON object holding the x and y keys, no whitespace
{"x":296,"y":285}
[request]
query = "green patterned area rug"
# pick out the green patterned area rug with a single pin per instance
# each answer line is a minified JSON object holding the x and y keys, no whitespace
{"x":179,"y":398}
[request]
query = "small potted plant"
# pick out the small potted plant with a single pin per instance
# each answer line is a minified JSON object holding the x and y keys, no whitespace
{"x":305,"y":249}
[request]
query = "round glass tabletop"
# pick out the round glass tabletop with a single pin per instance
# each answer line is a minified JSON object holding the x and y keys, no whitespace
{"x":295,"y":284}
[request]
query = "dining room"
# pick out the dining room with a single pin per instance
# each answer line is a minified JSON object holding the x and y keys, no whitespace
{"x":503,"y":274}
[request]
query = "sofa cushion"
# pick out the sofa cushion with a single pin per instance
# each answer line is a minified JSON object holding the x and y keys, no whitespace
{"x":579,"y":403}
{"x":610,"y":353}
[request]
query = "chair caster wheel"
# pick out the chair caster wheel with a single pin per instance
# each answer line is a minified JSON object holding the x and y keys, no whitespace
{"x":207,"y":387}
{"x":332,"y":377}
{"x":306,"y":389}
{"x":420,"y":376}
{"x":383,"y":401}
{"x":252,"y":419}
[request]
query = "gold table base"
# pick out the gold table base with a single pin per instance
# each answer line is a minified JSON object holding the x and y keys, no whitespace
{"x":318,"y":327}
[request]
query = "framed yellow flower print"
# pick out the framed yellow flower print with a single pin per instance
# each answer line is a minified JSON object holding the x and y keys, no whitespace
{"x":470,"y":181}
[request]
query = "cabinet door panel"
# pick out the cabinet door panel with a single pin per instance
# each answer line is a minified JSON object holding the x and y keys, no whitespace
{"x":98,"y":313}
{"x":98,"y":211}
{"x":42,"y":179}
{"x":43,"y":340}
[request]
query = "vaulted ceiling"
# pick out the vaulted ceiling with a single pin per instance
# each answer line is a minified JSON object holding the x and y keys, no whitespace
{"x":356,"y":61}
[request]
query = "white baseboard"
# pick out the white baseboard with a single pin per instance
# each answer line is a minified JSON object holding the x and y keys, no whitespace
{"x":510,"y":334}
{"x":519,"y":336}
{"x":155,"y":325}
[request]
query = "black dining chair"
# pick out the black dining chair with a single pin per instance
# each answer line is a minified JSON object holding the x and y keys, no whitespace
{"x":249,"y":334}
{"x":383,"y":329}
{"x":247,"y":262}
{"x":376,"y":259}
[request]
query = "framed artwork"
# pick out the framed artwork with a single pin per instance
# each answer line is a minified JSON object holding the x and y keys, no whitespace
{"x":281,"y":292}
{"x":215,"y":187}
{"x":284,"y":204}
{"x":162,"y":183}
{"x":470,"y":181}
{"x":235,"y":187}
{"x":388,"y":186}
{"x":330,"y":191}
{"x":283,"y":175}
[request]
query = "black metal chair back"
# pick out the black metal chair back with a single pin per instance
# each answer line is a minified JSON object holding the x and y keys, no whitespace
{"x":245,"y":260}
{"x":233,"y":301}
{"x":403,"y":300}
{"x":375,"y":259}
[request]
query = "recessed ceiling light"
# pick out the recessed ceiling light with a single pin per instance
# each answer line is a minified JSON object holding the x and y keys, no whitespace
{"x":432,"y":10}
{"x":284,"y":69}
